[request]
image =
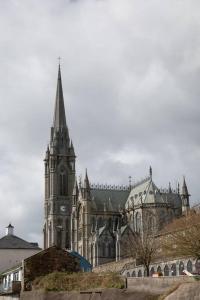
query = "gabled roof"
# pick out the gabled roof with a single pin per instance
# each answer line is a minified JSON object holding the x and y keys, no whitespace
{"x":144,"y":192}
{"x":14,"y":242}
{"x":147,"y":192}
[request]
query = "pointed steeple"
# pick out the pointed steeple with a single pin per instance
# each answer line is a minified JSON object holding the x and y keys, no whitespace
{"x":86,"y":181}
{"x":47,"y":153}
{"x":75,"y":193}
{"x":59,"y":113}
{"x":86,"y":186}
{"x":75,"y":189}
{"x":184,"y":188}
{"x":72,"y":149}
{"x":185,"y":196}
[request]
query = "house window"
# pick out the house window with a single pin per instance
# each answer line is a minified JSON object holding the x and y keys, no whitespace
{"x":16,"y":276}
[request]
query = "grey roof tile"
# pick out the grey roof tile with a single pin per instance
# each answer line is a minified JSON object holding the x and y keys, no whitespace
{"x":14,"y":242}
{"x":112,"y":198}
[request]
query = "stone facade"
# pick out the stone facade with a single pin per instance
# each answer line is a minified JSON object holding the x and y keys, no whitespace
{"x":97,"y":220}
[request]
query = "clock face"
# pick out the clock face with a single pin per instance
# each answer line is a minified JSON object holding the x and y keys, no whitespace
{"x":62,"y":208}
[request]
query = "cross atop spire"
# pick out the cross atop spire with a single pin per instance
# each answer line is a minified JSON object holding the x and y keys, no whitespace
{"x":59,"y":113}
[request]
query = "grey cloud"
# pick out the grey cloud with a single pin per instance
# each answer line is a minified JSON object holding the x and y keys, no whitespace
{"x":131,"y":84}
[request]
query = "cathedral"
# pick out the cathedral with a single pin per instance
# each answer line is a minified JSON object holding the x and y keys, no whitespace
{"x":96,"y":220}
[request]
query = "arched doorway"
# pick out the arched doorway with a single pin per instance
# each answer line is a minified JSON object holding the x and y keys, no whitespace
{"x":139,"y":273}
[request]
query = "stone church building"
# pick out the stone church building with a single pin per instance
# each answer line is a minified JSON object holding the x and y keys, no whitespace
{"x":97,"y":220}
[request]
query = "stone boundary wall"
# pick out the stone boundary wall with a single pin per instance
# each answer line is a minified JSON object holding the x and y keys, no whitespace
{"x":114,"y":266}
{"x":172,"y":267}
{"x":9,"y":297}
{"x":160,"y":283}
{"x":107,"y":294}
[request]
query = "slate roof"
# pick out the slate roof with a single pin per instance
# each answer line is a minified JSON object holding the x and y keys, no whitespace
{"x":147,"y":192}
{"x":109,"y":199}
{"x":14,"y":242}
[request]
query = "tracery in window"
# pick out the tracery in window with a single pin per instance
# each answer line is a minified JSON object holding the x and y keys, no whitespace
{"x":63,"y":183}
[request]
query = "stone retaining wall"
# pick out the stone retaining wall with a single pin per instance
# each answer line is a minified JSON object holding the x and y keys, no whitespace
{"x":113,"y":266}
{"x":157,"y":284}
{"x":9,"y":297}
{"x":107,"y":294}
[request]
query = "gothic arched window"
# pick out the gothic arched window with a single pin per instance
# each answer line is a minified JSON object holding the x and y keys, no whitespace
{"x":138,"y":222}
{"x":63,"y":183}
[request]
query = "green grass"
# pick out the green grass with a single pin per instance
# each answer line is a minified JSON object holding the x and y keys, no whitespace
{"x":60,"y":281}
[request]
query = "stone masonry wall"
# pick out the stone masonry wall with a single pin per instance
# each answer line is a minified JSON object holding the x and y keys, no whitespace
{"x":113,"y":266}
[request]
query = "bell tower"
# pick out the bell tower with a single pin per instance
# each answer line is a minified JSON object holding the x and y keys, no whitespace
{"x":59,"y":165}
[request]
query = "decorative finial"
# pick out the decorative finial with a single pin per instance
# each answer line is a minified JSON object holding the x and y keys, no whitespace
{"x":178,"y":188}
{"x":59,"y":59}
{"x":170,"y":189}
{"x":150,"y":171}
{"x":80,"y":181}
{"x":130,"y":182}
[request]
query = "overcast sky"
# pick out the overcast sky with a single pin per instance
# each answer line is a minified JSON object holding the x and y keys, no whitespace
{"x":131,"y":80}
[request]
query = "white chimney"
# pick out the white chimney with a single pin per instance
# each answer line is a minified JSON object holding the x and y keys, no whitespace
{"x":9,"y":230}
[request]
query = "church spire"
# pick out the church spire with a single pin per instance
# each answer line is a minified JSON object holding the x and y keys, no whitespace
{"x":59,"y":113}
{"x":59,"y":177}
